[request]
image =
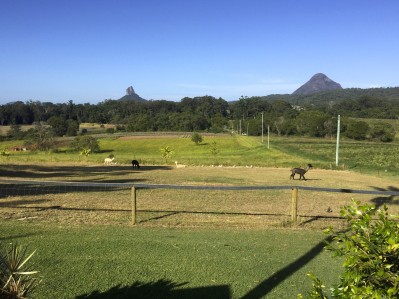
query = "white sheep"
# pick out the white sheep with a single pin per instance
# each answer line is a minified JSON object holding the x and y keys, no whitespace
{"x":108,"y":161}
{"x":180,"y":165}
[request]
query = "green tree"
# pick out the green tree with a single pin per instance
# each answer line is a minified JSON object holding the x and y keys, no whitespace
{"x":40,"y":138}
{"x":196,"y":138}
{"x":382,"y":132}
{"x":58,"y":124}
{"x":356,"y":129}
{"x":85,"y":142}
{"x":72,"y":127}
{"x":15,"y":132}
{"x":370,"y":248}
{"x":311,"y":123}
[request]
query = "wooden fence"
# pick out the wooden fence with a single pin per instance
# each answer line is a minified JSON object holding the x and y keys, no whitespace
{"x":135,"y":187}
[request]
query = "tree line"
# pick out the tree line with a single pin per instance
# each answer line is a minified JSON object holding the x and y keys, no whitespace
{"x":209,"y":114}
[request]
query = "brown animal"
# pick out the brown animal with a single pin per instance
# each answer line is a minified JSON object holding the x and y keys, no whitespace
{"x":300,"y":171}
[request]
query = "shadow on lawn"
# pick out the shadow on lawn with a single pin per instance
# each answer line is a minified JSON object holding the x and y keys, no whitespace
{"x":43,"y":172}
{"x":380,"y":201}
{"x":160,"y":289}
{"x":266,"y":286}
{"x":166,"y":214}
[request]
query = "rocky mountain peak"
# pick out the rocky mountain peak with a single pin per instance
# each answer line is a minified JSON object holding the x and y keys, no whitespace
{"x":130,"y":91}
{"x":317,"y":83}
{"x":132,"y":95}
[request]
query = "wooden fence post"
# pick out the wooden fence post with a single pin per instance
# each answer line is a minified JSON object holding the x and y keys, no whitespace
{"x":133,"y":205}
{"x":294,"y":207}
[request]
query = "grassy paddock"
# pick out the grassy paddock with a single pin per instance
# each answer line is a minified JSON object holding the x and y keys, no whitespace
{"x":266,"y":208}
{"x":188,"y":243}
{"x":143,"y":262}
{"x":369,"y":157}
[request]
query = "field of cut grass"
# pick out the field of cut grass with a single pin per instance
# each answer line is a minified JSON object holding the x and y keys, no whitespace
{"x":147,"y":262}
{"x":187,"y":243}
{"x":370,"y":157}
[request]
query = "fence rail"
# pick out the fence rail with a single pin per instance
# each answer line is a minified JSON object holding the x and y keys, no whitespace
{"x":135,"y":187}
{"x":195,"y":187}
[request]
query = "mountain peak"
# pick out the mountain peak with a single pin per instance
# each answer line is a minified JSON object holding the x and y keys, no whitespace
{"x":132,"y":95}
{"x":130,"y":91}
{"x":319,"y":82}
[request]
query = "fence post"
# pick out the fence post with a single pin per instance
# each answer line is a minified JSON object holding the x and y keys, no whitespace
{"x":294,"y":207}
{"x":133,"y":205}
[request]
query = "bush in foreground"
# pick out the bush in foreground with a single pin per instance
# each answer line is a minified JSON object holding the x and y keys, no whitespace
{"x":370,"y":248}
{"x":16,"y":276}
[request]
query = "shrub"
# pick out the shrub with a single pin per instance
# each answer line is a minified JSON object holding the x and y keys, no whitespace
{"x":110,"y":130}
{"x":167,"y":152}
{"x":383,"y":132}
{"x":85,"y":142}
{"x":370,"y":248}
{"x":196,"y":138}
{"x":16,"y":276}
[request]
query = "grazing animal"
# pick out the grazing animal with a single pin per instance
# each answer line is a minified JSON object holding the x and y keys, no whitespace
{"x":108,"y":161}
{"x":135,"y":163}
{"x":300,"y":171}
{"x":180,"y":165}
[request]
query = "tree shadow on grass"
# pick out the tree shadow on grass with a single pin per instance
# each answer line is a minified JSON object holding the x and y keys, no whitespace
{"x":8,"y":190}
{"x":160,"y":289}
{"x":266,"y":286}
{"x":381,"y":200}
{"x":80,"y":171}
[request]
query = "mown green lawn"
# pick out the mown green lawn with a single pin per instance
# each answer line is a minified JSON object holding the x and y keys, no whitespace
{"x":155,"y":262}
{"x":122,"y":261}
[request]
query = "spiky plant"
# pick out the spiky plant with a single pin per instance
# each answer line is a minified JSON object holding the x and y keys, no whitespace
{"x":16,"y":275}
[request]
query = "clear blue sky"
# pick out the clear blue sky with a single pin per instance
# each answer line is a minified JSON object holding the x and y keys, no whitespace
{"x":92,"y":50}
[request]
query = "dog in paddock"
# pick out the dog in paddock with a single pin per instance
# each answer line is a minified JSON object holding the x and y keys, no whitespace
{"x":135,"y":163}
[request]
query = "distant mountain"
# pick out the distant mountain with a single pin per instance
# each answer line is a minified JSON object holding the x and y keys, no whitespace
{"x":131,"y":95}
{"x":331,"y":97}
{"x":317,"y":83}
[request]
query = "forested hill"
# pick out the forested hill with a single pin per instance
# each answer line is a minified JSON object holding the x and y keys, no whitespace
{"x":336,"y":96}
{"x":207,"y":112}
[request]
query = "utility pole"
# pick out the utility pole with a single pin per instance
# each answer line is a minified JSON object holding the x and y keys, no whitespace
{"x":268,"y":137}
{"x":262,"y":127}
{"x":337,"y":149}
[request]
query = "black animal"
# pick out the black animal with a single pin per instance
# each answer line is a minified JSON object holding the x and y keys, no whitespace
{"x":300,"y":171}
{"x":135,"y":163}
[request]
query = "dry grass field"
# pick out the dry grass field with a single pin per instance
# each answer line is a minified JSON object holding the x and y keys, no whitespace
{"x":106,"y":204}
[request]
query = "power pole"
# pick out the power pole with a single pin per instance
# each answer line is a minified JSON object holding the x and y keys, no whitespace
{"x":337,"y":149}
{"x":262,"y":127}
{"x":268,"y":137}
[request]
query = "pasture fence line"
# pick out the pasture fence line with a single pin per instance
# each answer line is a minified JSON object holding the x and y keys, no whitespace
{"x":134,"y":187}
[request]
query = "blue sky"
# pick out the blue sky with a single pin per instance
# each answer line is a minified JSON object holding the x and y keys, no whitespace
{"x":89,"y":51}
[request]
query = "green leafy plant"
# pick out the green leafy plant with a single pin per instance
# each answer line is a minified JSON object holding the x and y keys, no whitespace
{"x":166,"y":152}
{"x":16,"y":276}
{"x":4,"y":153}
{"x":85,"y":152}
{"x":370,"y":248}
{"x":196,"y":138}
{"x":214,"y":149}
{"x":85,"y":142}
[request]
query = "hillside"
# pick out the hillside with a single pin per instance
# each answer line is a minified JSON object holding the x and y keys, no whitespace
{"x":336,"y":96}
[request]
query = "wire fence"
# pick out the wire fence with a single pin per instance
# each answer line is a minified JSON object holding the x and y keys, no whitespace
{"x":126,"y":198}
